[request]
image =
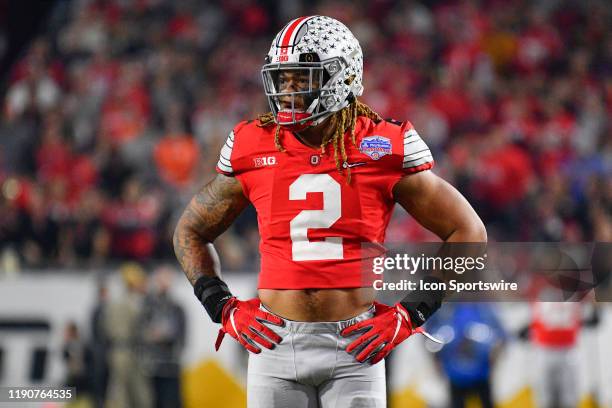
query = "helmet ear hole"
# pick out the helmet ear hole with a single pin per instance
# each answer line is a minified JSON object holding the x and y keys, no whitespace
{"x":349,"y":80}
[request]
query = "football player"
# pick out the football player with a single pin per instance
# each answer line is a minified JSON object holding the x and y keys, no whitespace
{"x":324,"y":172}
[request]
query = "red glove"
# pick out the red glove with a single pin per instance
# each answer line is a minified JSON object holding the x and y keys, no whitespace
{"x":243,"y":321}
{"x":388,"y":328}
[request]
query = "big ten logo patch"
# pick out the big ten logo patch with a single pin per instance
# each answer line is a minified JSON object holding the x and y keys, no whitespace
{"x":264,"y":161}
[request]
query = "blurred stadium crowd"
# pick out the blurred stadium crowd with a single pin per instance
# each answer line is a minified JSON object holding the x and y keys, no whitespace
{"x":115,"y":116}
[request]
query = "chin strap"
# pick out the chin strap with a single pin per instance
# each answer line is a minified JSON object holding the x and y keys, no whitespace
{"x":299,"y":117}
{"x":284,"y":116}
{"x":288,"y":116}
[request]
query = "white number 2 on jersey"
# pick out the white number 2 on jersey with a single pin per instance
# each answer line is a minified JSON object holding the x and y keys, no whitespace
{"x":330,"y":248}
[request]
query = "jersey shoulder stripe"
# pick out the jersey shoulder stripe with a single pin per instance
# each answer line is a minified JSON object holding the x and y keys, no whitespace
{"x":416,"y":151}
{"x":224,"y":165}
{"x":240,"y":142}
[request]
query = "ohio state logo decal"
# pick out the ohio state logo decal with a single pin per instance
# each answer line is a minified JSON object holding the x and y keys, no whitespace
{"x":375,"y":146}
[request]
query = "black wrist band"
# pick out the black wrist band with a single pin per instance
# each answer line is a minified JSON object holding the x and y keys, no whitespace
{"x":421,"y":304}
{"x":213,"y":293}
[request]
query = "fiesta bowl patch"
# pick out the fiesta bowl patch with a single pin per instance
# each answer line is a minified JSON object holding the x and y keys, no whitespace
{"x":375,"y":146}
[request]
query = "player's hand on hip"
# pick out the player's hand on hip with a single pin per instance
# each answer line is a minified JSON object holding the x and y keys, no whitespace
{"x":244,"y":321}
{"x":381,"y":333}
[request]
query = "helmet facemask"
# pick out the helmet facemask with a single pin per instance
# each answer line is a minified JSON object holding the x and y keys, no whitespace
{"x":309,"y":103}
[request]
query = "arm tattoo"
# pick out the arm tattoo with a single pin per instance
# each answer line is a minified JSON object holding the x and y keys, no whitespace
{"x":207,"y":216}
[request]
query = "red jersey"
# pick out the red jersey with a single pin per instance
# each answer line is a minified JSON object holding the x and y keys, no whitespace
{"x":556,"y":324}
{"x":313,"y":224}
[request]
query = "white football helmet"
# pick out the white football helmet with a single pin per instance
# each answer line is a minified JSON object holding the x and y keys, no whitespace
{"x":325,"y":50}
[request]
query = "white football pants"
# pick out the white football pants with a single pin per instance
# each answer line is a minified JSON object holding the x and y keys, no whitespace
{"x":311,"y":369}
{"x":555,"y":382}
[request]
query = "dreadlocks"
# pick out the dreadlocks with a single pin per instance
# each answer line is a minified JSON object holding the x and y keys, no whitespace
{"x":344,"y":120}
